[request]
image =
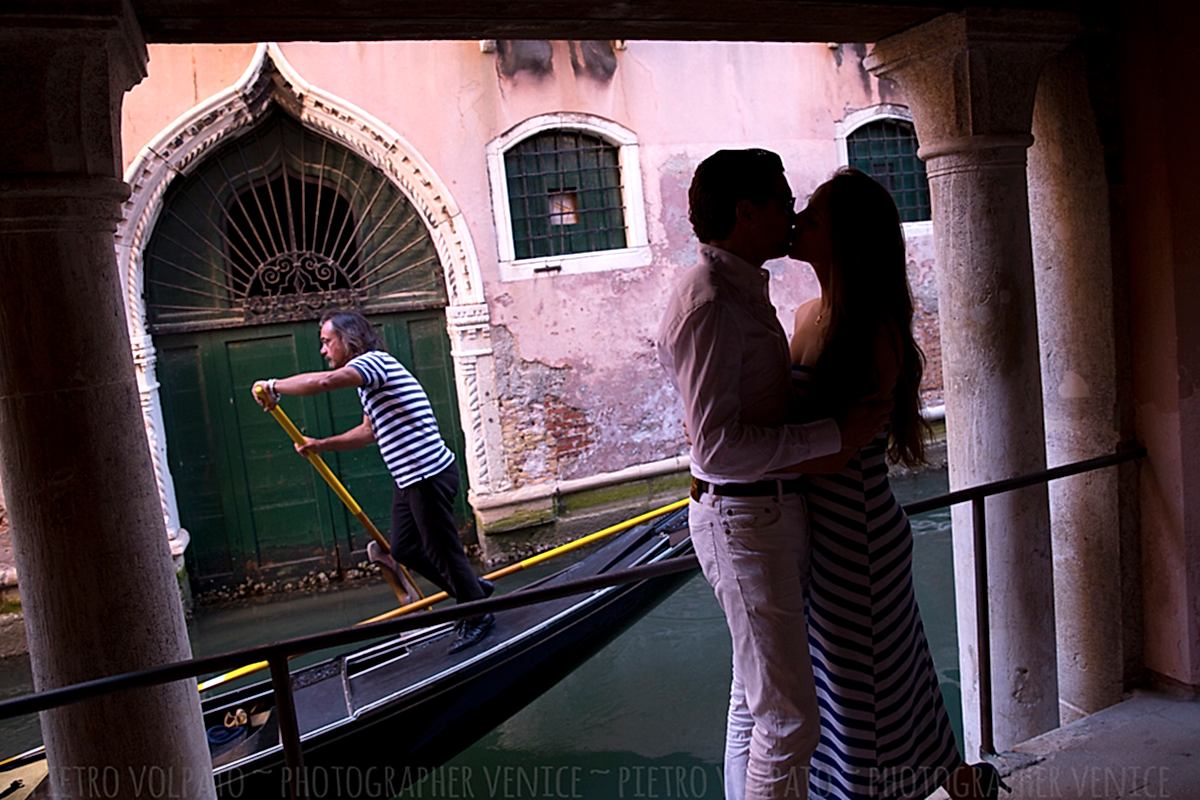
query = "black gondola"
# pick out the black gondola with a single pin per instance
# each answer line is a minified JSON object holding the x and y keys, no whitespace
{"x":400,"y":706}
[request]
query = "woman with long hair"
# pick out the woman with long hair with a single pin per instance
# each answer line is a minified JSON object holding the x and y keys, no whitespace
{"x":885,"y":732}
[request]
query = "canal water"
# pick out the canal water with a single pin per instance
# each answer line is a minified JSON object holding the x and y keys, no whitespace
{"x":644,"y":718}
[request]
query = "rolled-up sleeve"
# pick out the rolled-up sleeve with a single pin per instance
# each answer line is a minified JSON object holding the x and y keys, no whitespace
{"x":703,"y":352}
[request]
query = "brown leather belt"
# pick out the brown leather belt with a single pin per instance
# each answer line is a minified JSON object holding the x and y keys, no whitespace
{"x":755,"y":489}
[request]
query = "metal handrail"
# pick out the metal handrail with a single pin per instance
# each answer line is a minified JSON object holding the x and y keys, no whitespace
{"x":277,"y":653}
{"x":976,"y":496}
{"x":1124,"y":452}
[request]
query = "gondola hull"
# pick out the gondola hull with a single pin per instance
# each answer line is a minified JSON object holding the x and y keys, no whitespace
{"x":384,"y":715}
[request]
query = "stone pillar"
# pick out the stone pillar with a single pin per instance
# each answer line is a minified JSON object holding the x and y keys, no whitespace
{"x":97,"y":582}
{"x":1073,"y":272}
{"x":970,"y":81}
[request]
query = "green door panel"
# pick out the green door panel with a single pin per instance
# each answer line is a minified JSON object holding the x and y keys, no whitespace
{"x":279,"y":490}
{"x":253,"y":507}
{"x":194,"y":456}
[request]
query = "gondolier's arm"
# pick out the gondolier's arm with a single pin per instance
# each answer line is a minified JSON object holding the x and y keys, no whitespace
{"x":305,"y":384}
{"x":359,"y":436}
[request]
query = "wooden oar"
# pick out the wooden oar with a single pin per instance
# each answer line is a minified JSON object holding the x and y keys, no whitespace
{"x":404,"y":593}
{"x":496,"y":575}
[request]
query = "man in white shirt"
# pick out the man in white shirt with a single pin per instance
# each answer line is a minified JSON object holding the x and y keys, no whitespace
{"x":721,"y":343}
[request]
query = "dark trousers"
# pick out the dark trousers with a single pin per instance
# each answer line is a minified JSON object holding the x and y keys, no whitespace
{"x":424,"y":538}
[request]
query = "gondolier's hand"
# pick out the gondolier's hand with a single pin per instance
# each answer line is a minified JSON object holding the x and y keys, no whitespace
{"x":310,"y":446}
{"x":266,"y":396}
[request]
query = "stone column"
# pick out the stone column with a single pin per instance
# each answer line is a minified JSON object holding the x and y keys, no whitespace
{"x":1073,"y":273}
{"x":970,"y":81}
{"x":97,"y":582}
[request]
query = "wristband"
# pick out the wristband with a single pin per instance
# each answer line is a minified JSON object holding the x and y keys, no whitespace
{"x":274,"y":395}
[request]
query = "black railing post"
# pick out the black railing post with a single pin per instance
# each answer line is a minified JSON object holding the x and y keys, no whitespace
{"x":289,"y":728}
{"x":983,"y":630}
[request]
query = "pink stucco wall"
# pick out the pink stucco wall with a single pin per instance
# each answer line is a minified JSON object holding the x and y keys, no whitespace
{"x":1164,"y":250}
{"x":575,"y":360}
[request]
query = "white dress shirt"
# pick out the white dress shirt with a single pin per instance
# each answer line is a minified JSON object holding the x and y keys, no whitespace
{"x":727,"y":355}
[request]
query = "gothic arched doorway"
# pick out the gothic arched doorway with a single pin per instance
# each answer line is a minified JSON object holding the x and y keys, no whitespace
{"x":274,"y":227}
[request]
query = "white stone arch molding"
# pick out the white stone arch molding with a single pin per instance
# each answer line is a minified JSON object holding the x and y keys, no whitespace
{"x":182,"y":145}
{"x":855,"y":120}
{"x":636,"y":252}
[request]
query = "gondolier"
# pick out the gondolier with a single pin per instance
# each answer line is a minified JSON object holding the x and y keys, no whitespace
{"x":398,"y":416}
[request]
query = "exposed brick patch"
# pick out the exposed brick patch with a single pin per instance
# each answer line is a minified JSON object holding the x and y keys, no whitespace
{"x":543,"y":438}
{"x":544,"y":434}
{"x":922,"y":277}
{"x":567,"y":429}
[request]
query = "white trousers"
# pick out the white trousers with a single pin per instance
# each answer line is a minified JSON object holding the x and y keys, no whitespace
{"x":754,"y":553}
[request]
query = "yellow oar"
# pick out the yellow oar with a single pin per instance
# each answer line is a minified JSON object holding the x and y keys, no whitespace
{"x":403,"y":593}
{"x":500,"y":573}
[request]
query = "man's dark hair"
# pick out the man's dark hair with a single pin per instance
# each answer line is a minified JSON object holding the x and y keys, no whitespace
{"x":723,"y":179}
{"x":356,"y":331}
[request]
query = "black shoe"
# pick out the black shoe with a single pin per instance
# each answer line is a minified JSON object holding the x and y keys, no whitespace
{"x":471,"y":631}
{"x":487,"y":586}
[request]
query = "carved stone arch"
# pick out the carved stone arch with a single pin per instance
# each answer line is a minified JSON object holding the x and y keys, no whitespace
{"x":270,"y":81}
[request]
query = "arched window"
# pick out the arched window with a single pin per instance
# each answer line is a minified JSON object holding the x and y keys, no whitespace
{"x":564,"y":194}
{"x":885,"y":147}
{"x":280,"y":224}
{"x":567,"y":197}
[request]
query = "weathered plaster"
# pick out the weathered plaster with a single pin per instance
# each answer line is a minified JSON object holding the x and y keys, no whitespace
{"x":1163,"y":226}
{"x":180,"y":77}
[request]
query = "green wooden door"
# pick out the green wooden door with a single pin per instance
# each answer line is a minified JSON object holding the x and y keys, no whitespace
{"x":252,"y":506}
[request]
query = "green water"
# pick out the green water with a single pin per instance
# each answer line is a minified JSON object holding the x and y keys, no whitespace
{"x":644,"y":718}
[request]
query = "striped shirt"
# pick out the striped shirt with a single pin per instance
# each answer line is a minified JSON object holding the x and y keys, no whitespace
{"x":402,"y":419}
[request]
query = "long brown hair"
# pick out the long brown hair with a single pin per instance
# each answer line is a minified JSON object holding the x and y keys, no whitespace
{"x":357,"y":332}
{"x":869,"y":299}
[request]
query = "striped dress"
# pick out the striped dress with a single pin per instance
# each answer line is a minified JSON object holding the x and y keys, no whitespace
{"x":885,"y":732}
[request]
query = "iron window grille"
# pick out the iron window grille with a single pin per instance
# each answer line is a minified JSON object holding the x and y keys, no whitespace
{"x":280,"y":224}
{"x":565,"y":195}
{"x":886,"y":149}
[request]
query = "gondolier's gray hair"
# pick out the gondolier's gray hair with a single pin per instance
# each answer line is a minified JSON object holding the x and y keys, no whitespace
{"x":356,"y":331}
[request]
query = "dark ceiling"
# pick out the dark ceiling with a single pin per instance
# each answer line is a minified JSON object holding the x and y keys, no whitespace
{"x":349,"y":20}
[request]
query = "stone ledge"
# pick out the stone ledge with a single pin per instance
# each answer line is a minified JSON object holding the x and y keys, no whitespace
{"x":523,"y":528}
{"x":13,"y":641}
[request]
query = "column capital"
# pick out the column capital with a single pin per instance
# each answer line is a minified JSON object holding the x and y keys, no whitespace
{"x":111,"y":23}
{"x":972,"y":74}
{"x":66,"y":66}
